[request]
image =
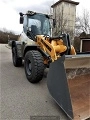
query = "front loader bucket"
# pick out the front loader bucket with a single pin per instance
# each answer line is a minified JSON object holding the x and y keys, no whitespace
{"x":72,"y":95}
{"x":58,"y":86}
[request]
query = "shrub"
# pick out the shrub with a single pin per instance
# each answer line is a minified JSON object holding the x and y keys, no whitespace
{"x":4,"y":37}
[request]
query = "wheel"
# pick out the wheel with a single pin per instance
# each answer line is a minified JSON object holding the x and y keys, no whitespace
{"x":17,"y":62}
{"x":34,"y":66}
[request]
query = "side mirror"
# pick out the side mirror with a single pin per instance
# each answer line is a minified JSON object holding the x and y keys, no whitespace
{"x":21,"y":19}
{"x":54,"y":23}
{"x":21,"y":14}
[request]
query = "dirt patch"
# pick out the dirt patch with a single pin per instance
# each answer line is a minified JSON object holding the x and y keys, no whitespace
{"x":73,"y":72}
{"x":79,"y":88}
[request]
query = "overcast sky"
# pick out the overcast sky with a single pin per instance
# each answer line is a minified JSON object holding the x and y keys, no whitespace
{"x":9,"y":10}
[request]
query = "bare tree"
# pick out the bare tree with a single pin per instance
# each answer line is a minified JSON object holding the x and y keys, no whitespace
{"x":83,"y":23}
{"x":61,"y":23}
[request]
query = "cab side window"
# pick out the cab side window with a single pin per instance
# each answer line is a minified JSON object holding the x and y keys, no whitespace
{"x":25,"y":24}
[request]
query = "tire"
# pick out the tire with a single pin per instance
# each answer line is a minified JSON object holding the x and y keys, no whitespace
{"x":17,"y":62}
{"x":34,"y":66}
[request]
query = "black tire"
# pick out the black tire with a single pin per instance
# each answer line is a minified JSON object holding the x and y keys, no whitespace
{"x":34,"y":66}
{"x":17,"y":62}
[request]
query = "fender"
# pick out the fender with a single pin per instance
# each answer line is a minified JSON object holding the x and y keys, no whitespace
{"x":18,"y":45}
{"x":30,"y":47}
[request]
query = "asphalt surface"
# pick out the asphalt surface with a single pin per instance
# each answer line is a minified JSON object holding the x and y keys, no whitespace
{"x":21,"y":99}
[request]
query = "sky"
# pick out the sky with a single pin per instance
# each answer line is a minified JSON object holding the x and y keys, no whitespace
{"x":9,"y":11}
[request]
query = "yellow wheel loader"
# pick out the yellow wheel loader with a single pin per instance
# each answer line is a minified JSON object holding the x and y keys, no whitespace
{"x":39,"y":50}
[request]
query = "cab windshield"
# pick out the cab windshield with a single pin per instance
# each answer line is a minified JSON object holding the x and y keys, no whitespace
{"x":39,"y":24}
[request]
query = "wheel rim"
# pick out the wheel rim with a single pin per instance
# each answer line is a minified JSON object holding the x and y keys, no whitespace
{"x":28,"y":67}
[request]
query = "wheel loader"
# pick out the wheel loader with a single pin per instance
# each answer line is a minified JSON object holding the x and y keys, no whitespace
{"x":39,"y":50}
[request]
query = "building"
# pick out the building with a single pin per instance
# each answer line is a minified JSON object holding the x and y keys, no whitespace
{"x":64,"y":12}
{"x":85,"y":45}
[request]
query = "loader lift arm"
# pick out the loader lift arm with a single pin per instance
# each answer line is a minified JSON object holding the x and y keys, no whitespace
{"x":55,"y":46}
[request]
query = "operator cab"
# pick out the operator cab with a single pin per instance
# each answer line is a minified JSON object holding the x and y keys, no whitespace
{"x":35,"y":24}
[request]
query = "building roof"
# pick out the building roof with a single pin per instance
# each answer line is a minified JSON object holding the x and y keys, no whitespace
{"x":85,"y":38}
{"x":68,"y":1}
